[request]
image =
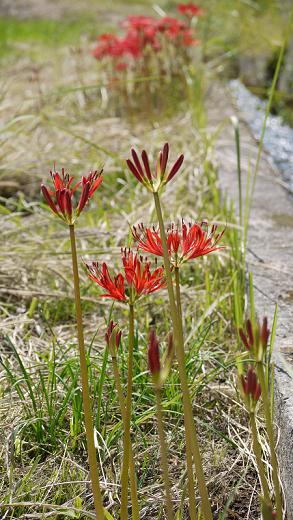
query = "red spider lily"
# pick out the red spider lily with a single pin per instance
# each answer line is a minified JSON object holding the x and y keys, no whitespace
{"x":115,"y":47}
{"x":255,"y":339}
{"x":155,"y":180}
{"x":136,"y":281}
{"x":188,"y":40}
{"x":140,"y":23}
{"x":60,"y":199}
{"x":184,"y":243}
{"x":142,"y":32}
{"x":113,"y":337}
{"x":171,"y":27}
{"x":251,"y":388}
{"x":190,"y":10}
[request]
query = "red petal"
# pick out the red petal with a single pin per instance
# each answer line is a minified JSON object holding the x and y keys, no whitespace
{"x":146,"y":164}
{"x":165,"y":156}
{"x":175,"y":167}
{"x":48,"y":199}
{"x":133,"y":170}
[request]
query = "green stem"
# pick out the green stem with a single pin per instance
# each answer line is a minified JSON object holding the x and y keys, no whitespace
{"x":270,"y":431}
{"x":164,"y":455}
{"x":87,"y":406}
{"x":190,"y":429}
{"x":132,"y":472}
{"x":237,"y":140}
{"x":127,"y":439}
{"x":258,"y":455}
{"x":191,"y":490}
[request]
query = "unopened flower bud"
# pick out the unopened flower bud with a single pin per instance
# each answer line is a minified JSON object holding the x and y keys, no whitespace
{"x":113,"y":338}
{"x":255,"y":339}
{"x":154,"y":354}
{"x":251,"y":388}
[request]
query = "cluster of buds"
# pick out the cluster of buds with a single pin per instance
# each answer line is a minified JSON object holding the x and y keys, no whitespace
{"x":255,"y":338}
{"x":250,"y":389}
{"x":144,"y":33}
{"x":154,"y":179}
{"x":60,"y":199}
{"x":159,"y":368}
{"x":113,"y":338}
{"x":184,"y":242}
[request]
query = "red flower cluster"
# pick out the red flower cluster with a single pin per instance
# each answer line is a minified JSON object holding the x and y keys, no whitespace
{"x":155,"y":180}
{"x":190,"y":10}
{"x":60,"y":199}
{"x":184,"y":242}
{"x":251,"y":388}
{"x":137,"y":279}
{"x":143,"y":32}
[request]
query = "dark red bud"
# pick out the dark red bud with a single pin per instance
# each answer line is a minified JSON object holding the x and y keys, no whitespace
{"x":175,"y":167}
{"x":133,"y":170}
{"x":164,"y":158}
{"x":146,"y":164}
{"x":265,"y":333}
{"x":137,"y":162}
{"x":118,"y":338}
{"x":244,"y":339}
{"x":154,"y":354}
{"x":250,"y":332}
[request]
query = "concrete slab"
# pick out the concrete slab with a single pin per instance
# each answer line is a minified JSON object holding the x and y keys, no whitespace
{"x":270,"y":259}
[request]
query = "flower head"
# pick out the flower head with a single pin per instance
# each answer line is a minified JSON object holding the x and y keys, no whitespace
{"x":159,"y":368}
{"x":185,"y":242}
{"x":256,"y":338}
{"x":171,"y":27}
{"x":138,"y":278}
{"x":251,"y":388}
{"x":155,"y":179}
{"x":61,"y":198}
{"x":190,"y":10}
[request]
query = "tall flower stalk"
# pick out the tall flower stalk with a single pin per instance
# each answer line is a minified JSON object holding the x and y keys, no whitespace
{"x":251,"y":392}
{"x":113,"y":339}
{"x":127,"y":420}
{"x":190,"y":484}
{"x":271,"y":438}
{"x":87,"y":405}
{"x":190,"y":428}
{"x":61,"y":202}
{"x":137,"y":280}
{"x":255,"y":339}
{"x":154,"y":181}
{"x":159,"y":374}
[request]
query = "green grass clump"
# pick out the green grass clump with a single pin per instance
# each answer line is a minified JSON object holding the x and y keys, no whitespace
{"x":17,"y":35}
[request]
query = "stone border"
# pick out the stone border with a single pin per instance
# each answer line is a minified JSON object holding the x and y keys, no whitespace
{"x":269,"y":258}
